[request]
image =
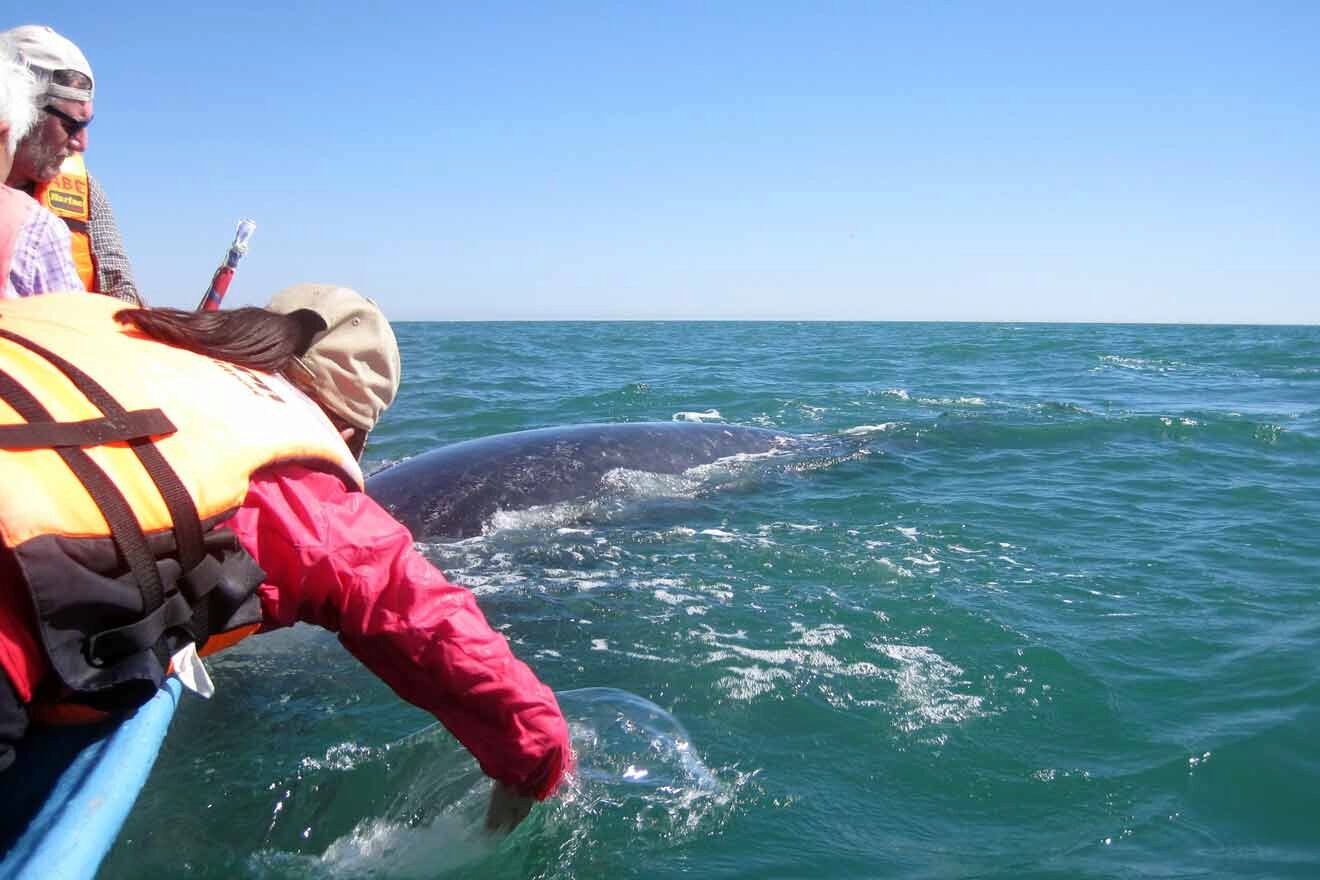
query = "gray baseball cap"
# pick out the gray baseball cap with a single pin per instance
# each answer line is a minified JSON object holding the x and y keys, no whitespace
{"x":45,"y":51}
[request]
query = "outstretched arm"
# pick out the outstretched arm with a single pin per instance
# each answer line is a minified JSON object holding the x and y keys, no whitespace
{"x":337,"y":559}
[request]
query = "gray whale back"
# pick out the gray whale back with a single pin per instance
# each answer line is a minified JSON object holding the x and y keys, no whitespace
{"x":450,"y":492}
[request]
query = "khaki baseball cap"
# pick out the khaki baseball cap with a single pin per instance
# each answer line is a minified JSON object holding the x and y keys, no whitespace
{"x":45,"y":51}
{"x":352,"y":367}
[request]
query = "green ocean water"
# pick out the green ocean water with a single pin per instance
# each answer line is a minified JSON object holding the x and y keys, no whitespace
{"x":1037,"y":601}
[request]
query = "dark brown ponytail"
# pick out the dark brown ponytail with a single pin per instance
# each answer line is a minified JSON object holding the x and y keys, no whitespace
{"x":250,"y":337}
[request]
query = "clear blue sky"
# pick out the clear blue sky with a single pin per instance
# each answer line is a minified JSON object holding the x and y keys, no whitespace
{"x":891,"y":161}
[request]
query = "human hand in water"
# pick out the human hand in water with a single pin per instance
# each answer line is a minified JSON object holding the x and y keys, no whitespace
{"x":507,"y":809}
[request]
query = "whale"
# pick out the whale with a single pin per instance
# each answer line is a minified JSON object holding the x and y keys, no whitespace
{"x":453,"y":491}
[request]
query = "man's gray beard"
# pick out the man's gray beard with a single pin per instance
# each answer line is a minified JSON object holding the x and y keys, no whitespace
{"x":43,"y":157}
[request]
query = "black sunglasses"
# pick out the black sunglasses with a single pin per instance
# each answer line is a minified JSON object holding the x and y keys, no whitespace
{"x":70,"y":125}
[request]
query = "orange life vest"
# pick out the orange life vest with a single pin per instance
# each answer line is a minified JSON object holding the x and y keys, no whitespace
{"x":68,"y":195}
{"x":119,"y":456}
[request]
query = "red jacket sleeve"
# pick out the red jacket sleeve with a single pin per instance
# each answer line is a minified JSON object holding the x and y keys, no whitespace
{"x":336,"y":559}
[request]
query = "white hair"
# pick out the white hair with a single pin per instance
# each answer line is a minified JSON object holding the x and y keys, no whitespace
{"x":18,"y":94}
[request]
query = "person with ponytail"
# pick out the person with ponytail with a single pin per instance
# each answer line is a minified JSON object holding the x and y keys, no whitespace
{"x":176,"y":481}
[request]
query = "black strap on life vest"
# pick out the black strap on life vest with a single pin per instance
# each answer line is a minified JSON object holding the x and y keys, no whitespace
{"x":187,"y":524}
{"x":114,"y":507}
{"x":184,"y":608}
{"x":137,"y":429}
{"x":89,"y":432}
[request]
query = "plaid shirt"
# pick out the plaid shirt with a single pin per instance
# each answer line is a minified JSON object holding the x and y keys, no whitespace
{"x":114,"y":276}
{"x":42,"y":262}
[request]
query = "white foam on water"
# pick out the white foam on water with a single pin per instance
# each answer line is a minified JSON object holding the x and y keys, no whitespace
{"x":927,"y":561}
{"x":863,"y":669}
{"x":649,"y":658}
{"x":663,"y":582}
{"x":710,"y":415}
{"x":710,"y":636}
{"x":821,"y":636}
{"x":778,"y":656}
{"x":863,"y":430}
{"x":909,"y":533}
{"x":925,"y":683}
{"x":378,"y":847}
{"x":674,"y":598}
{"x":344,"y":756}
{"x":547,"y":516}
{"x":797,"y":657}
{"x":951,"y":401}
{"x":900,"y":393}
{"x":776,"y":668}
{"x":894,"y":567}
{"x":1127,"y":363}
{"x":748,"y":683}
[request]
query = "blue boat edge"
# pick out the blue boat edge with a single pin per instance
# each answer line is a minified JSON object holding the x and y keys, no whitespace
{"x":90,"y":791}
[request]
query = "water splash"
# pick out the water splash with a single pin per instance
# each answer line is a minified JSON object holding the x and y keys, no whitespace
{"x":623,"y":740}
{"x":391,"y":849}
{"x":421,"y":800}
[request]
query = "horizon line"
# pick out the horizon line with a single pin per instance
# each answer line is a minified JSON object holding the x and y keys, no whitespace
{"x":996,"y":321}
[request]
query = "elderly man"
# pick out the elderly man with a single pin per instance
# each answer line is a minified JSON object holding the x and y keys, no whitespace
{"x":35,"y":252}
{"x":48,"y":164}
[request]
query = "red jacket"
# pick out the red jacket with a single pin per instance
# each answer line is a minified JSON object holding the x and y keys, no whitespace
{"x":336,"y":559}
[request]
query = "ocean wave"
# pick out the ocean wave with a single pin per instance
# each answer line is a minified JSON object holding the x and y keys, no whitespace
{"x":952,"y":401}
{"x":1142,"y":364}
